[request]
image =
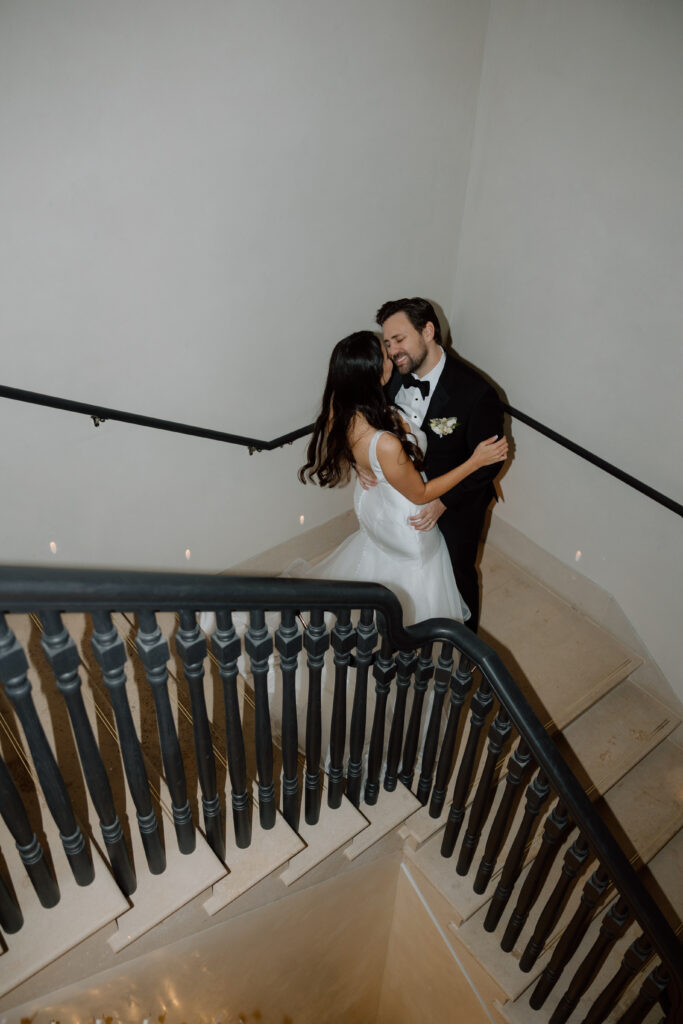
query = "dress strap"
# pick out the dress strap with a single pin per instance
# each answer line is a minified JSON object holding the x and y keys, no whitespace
{"x":372,"y":454}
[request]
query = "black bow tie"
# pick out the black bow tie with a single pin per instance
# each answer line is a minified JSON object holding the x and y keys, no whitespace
{"x":415,"y":382}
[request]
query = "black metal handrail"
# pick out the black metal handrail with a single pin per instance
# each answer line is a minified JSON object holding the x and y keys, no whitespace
{"x":26,"y":589}
{"x":101,"y":413}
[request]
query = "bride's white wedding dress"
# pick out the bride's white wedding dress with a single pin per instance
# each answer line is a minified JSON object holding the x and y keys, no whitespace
{"x":387,"y":549}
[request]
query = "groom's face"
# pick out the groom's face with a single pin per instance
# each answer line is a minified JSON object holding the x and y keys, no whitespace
{"x":406,"y":346}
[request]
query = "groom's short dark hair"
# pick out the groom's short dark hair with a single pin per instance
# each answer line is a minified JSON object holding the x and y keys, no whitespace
{"x":419,"y":312}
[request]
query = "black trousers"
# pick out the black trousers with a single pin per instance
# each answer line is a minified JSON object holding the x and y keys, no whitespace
{"x":462,"y":530}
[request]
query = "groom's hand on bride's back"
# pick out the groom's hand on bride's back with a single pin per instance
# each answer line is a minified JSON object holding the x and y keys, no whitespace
{"x":366,"y":477}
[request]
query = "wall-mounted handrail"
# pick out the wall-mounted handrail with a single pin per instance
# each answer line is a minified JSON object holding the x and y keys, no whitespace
{"x":100,"y":413}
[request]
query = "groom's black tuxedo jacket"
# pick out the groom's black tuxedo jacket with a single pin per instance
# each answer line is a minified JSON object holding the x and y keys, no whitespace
{"x":463,"y":393}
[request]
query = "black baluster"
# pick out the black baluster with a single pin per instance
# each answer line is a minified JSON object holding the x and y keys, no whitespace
{"x":568,"y":943}
{"x":423,"y":673}
{"x":482,"y":702}
{"x":153,"y":651}
{"x":536,"y":795}
{"x":460,"y":687}
{"x":635,"y":958}
{"x":226,"y":647}
{"x":343,"y":642}
{"x":190,"y":643}
{"x":613,"y":926}
{"x":574,"y":859}
{"x":110,"y":655}
{"x":442,"y":678}
{"x":316,"y":642}
{"x":384,"y":671}
{"x":64,"y":659}
{"x":11,"y":917}
{"x":259,"y":646}
{"x":13,"y":669}
{"x":557,"y":827}
{"x":30,"y":850}
{"x":365,"y":645}
{"x":406,"y":662}
{"x":498,"y":733}
{"x":517,"y":768}
{"x":289,"y":642}
{"x":651,"y":992}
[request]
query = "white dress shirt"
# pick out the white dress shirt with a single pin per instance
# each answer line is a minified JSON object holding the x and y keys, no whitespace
{"x":410,"y":400}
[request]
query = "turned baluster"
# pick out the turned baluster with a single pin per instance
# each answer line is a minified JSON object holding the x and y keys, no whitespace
{"x":190,"y":644}
{"x":226,"y":647}
{"x":365,"y":645}
{"x":613,"y":926}
{"x":406,"y":662}
{"x":482,"y":702}
{"x":574,"y":859}
{"x":64,"y":659}
{"x":154,"y":653}
{"x":110,"y":655}
{"x":635,"y":958}
{"x":384,"y":671}
{"x":557,"y":827}
{"x":517,"y":768}
{"x":13,"y":669}
{"x":536,"y":795}
{"x":442,"y":678}
{"x":343,"y":642}
{"x":593,"y":892}
{"x":651,"y":992}
{"x":31,"y":852}
{"x":289,"y":643}
{"x":11,"y":917}
{"x":498,"y":733}
{"x":460,"y":687}
{"x":259,"y":646}
{"x":316,"y":642}
{"x":423,"y":673}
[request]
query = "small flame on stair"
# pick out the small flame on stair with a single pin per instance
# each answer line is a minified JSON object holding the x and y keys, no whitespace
{"x":301,"y":520}
{"x":577,"y":556}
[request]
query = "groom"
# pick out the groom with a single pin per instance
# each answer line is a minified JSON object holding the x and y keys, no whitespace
{"x":457,"y":409}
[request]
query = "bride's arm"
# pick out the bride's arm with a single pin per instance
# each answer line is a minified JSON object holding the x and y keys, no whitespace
{"x":402,"y":475}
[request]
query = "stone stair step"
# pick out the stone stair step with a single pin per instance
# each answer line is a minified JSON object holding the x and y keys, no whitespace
{"x":159,"y":896}
{"x":269,"y":850}
{"x":82,"y":910}
{"x":600,"y":746}
{"x":390,"y":811}
{"x":335,"y":829}
{"x":644,"y":812}
{"x":561,"y":659}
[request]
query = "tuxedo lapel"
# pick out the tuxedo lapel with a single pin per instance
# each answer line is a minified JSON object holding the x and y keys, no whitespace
{"x":445,"y":393}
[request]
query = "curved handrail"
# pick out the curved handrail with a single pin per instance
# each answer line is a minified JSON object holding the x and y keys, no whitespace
{"x":101,"y":413}
{"x":24,"y":589}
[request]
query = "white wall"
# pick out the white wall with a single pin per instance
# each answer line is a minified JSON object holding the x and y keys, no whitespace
{"x":569,"y":286}
{"x":197,"y":201}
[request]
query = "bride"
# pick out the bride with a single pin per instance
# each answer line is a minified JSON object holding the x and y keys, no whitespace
{"x":358,"y":429}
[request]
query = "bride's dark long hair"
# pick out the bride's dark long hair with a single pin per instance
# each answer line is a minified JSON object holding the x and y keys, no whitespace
{"x":354,"y":385}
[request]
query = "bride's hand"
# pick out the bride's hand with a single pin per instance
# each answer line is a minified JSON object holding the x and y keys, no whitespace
{"x":493,"y":449}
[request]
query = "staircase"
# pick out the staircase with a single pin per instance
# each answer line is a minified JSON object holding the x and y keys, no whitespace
{"x":620,"y":741}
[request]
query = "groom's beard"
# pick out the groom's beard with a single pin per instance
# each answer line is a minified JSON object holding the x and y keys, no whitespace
{"x":410,"y":364}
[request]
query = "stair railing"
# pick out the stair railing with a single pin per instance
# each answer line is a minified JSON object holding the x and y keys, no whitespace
{"x":367,"y":636}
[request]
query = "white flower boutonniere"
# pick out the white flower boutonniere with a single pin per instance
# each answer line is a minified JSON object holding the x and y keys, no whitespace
{"x":444,"y":425}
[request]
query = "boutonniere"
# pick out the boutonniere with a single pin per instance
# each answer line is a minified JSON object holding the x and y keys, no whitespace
{"x":444,"y":425}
